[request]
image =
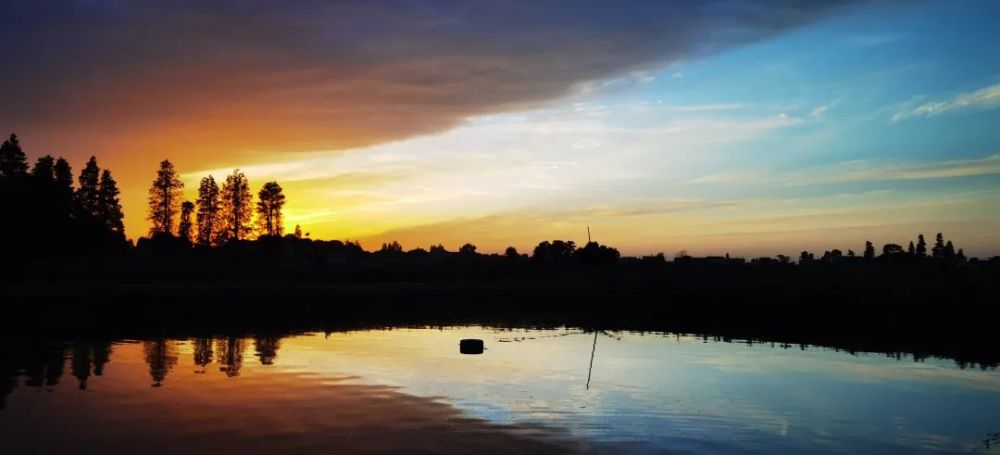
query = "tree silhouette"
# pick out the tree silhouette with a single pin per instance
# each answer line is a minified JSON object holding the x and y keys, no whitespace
{"x":209,"y":210}
{"x":921,"y":246}
{"x":13,"y":162}
{"x":891,"y":249}
{"x":911,"y":250}
{"x":595,"y":254}
{"x":44,"y":169}
{"x":164,"y":199}
{"x":949,"y":251}
{"x":467,"y":249}
{"x":109,"y":207}
{"x":184,"y":227}
{"x":938,"y":250}
{"x":392,"y":247}
{"x":87,"y":193}
{"x":63,"y":174}
{"x":869,"y":250}
{"x":555,"y":251}
{"x":64,"y":185}
{"x":298,"y":231}
{"x":270,"y":200}
{"x":236,"y":206}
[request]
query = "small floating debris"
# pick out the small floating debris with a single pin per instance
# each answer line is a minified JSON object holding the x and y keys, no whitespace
{"x":470,"y":346}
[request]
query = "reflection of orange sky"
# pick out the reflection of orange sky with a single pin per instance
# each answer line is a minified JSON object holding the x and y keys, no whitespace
{"x":266,"y":411}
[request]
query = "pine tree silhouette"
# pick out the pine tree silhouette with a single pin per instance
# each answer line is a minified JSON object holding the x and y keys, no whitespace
{"x":184,"y":227}
{"x":13,"y":162}
{"x":209,"y":210}
{"x":164,"y":199}
{"x":87,"y":193}
{"x":44,"y":169}
{"x":109,"y":207}
{"x":270,"y":201}
{"x":237,"y":210}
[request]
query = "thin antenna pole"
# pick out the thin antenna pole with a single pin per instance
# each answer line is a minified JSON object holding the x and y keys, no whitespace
{"x":588,"y":233}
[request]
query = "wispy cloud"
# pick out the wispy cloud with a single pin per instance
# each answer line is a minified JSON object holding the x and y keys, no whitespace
{"x":819,"y":112}
{"x":945,"y":169}
{"x":984,"y":98}
{"x":860,"y":171}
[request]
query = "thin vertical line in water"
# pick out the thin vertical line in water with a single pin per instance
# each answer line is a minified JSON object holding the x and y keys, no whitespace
{"x":591,"y":368}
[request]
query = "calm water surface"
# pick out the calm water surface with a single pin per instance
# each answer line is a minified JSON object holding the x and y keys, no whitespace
{"x":411,"y":389}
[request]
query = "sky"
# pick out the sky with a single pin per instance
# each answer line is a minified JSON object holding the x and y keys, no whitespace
{"x":742,"y":127}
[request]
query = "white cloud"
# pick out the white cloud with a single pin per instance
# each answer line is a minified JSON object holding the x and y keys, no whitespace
{"x":984,"y":98}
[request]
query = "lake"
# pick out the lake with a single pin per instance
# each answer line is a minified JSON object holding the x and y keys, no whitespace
{"x":554,"y":390}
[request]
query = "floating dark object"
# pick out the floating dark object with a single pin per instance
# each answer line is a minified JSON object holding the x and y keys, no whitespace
{"x":470,"y":346}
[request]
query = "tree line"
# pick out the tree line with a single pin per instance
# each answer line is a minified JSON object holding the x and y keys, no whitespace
{"x":45,"y":215}
{"x":943,"y":251}
{"x":219,"y":214}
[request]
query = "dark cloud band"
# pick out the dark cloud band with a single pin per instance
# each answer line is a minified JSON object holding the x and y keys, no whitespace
{"x":312,"y":74}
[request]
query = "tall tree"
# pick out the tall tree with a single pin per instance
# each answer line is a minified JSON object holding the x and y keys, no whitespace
{"x":236,"y":206}
{"x":270,"y":200}
{"x":869,"y":250}
{"x":209,"y":210}
{"x":921,"y":246}
{"x":184,"y":227}
{"x":45,"y":168}
{"x":298,"y":231}
{"x":64,"y":182}
{"x":63,"y":174}
{"x":164,"y":199}
{"x":109,"y":206}
{"x":87,"y":192}
{"x":938,"y":250}
{"x":911,"y":250}
{"x":13,"y":162}
{"x":949,"y":250}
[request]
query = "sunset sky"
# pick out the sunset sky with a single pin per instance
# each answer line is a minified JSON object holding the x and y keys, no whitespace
{"x":748,"y":127}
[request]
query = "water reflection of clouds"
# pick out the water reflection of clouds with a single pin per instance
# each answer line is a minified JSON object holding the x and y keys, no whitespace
{"x":648,"y":387}
{"x":858,"y":368}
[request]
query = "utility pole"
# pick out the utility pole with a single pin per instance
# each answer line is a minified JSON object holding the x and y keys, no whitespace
{"x":588,"y":234}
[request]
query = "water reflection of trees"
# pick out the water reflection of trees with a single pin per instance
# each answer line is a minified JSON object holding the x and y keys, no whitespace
{"x":89,"y":358}
{"x":230,"y":355}
{"x":161,"y":356}
{"x":202,"y":352}
{"x":43,"y":363}
{"x":266,"y":349}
